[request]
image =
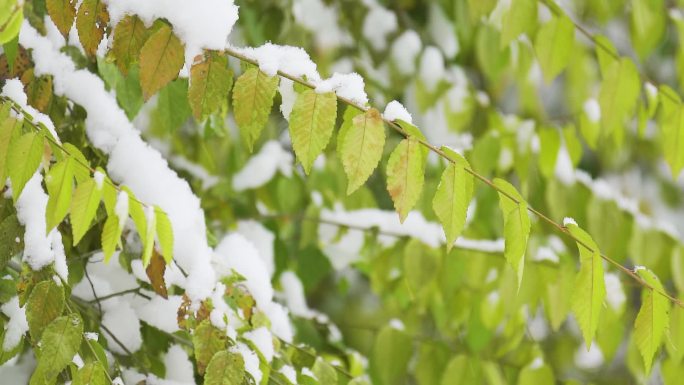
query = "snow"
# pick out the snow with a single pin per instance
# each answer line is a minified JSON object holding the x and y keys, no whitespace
{"x":395,"y":110}
{"x":251,"y":360}
{"x":291,"y":60}
{"x":91,"y":336}
{"x":569,"y":221}
{"x":132,"y":161}
{"x":262,"y":167}
{"x":99,"y":179}
{"x":379,"y":23}
{"x":288,"y":97}
{"x":322,"y":20}
{"x":78,"y":361}
{"x":349,"y":86}
{"x":161,"y":313}
{"x":396,"y":323}
{"x":262,"y":340}
{"x":593,"y":110}
{"x":178,"y":366}
{"x":431,"y":69}
{"x":39,"y":248}
{"x":121,"y":208}
{"x":564,"y":170}
{"x":16,"y":326}
{"x":217,"y":20}
{"x":289,"y":373}
{"x":293,"y":291}
{"x":651,"y":90}
{"x":442,"y":32}
{"x":262,"y":238}
{"x":591,"y":359}
{"x":404,"y":51}
{"x":197,"y":171}
{"x":615,"y":294}
{"x":125,"y":325}
{"x":14,"y":90}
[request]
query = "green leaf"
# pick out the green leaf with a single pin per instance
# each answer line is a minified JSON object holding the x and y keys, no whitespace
{"x":60,"y":342}
{"x":516,"y":226}
{"x":62,"y":13}
{"x":252,"y":101}
{"x":672,"y":139}
{"x":207,"y":341}
{"x":462,"y":370}
{"x":11,"y":17}
{"x":590,"y":287}
{"x":225,"y":368}
{"x":536,"y":375}
{"x":172,"y":109}
{"x":405,"y":175}
{"x":164,"y":234}
{"x":81,"y":164}
{"x":10,"y":232}
{"x":91,"y":20}
{"x":521,"y":18}
{"x":553,"y":46}
{"x":161,"y":58}
{"x":23,"y":159}
{"x":647,"y":25}
{"x":91,"y":374}
{"x":606,"y":53}
{"x":390,"y":356}
{"x":653,"y":318}
{"x":311,"y":124}
{"x":84,"y":207}
{"x":129,"y":36}
{"x":44,"y":305}
{"x":324,"y":372}
{"x":548,"y":153}
{"x":618,"y":96}
{"x":361,"y":148}
{"x":137,"y":213}
{"x":60,"y":185}
{"x":9,"y":127}
{"x":454,"y":192}
{"x":210,"y":83}
{"x":111,"y":233}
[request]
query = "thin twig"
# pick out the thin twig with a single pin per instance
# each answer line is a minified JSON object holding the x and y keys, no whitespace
{"x":232,"y":52}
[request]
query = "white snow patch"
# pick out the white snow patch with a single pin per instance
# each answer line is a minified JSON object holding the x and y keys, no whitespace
{"x":17,"y":325}
{"x":262,"y":167}
{"x":395,"y":110}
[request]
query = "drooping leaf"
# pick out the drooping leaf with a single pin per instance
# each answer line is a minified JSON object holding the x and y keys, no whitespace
{"x":553,"y":46}
{"x":164,"y":234}
{"x":324,"y":372}
{"x":647,"y":25}
{"x":8,"y":129}
{"x":150,"y":231}
{"x":252,"y":101}
{"x":672,"y":139}
{"x":10,"y":20}
{"x":137,"y":213}
{"x":618,"y":96}
{"x":11,"y":234}
{"x":91,"y":20}
{"x":44,"y":305}
{"x":390,"y":356}
{"x":91,"y":374}
{"x":516,"y":226}
{"x":111,"y":232}
{"x":60,"y":185}
{"x":210,"y":83}
{"x":405,"y":175}
{"x":590,"y":287}
{"x":23,"y":159}
{"x":361,"y":148}
{"x":521,"y":18}
{"x":62,"y":13}
{"x":311,"y":125}
{"x":81,"y":164}
{"x":155,"y":272}
{"x":548,"y":153}
{"x":454,"y":192}
{"x":462,"y":370}
{"x":58,"y":345}
{"x":225,"y":368}
{"x":129,"y":36}
{"x":161,"y":58}
{"x":84,"y":206}
{"x":207,"y":340}
{"x":653,"y":318}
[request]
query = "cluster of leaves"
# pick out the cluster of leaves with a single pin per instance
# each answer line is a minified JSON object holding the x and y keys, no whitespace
{"x":444,"y":292}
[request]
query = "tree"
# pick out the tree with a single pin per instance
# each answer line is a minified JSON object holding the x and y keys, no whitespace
{"x":174,"y":202}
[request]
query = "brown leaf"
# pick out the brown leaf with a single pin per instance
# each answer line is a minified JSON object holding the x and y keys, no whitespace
{"x":161,"y":58}
{"x":21,"y":64}
{"x":62,"y":13}
{"x":91,"y":20}
{"x":155,"y":272}
{"x":129,"y":36}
